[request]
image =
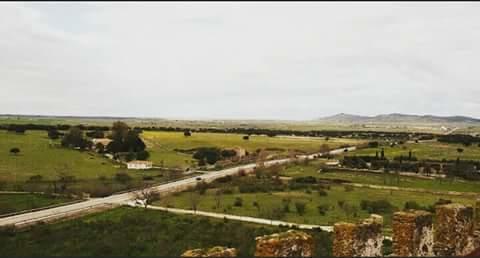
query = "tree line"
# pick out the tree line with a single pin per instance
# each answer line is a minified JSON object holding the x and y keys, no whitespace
{"x":246,"y":131}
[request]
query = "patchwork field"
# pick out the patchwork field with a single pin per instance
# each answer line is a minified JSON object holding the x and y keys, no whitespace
{"x":428,"y":150}
{"x":162,"y":145}
{"x":18,"y":202}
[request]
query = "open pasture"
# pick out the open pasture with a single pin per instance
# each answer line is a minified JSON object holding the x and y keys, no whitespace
{"x":162,"y":145}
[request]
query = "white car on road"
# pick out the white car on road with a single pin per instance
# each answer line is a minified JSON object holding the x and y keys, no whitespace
{"x":136,"y":203}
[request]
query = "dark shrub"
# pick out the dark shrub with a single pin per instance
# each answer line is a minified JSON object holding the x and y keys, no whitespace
{"x":238,"y":202}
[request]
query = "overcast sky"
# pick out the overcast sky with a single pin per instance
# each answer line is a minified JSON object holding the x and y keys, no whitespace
{"x":239,"y":60}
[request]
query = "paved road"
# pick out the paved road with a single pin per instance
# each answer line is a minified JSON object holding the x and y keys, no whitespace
{"x":451,"y":131}
{"x":123,"y":198}
{"x":241,"y":218}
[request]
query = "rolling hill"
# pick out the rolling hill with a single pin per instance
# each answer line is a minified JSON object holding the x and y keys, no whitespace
{"x":399,"y":118}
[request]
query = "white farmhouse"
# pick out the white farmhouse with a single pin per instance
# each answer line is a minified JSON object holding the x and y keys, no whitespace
{"x":139,"y":164}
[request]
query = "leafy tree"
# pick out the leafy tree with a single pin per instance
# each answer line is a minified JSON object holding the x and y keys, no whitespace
{"x":238,"y":202}
{"x":143,"y":155}
{"x":322,"y":209}
{"x":53,"y":134}
{"x":95,"y":134}
{"x":194,"y":200}
{"x":218,"y":198}
{"x":125,"y":140}
{"x":20,"y":129}
{"x":75,"y":138}
{"x":187,"y":133}
{"x":119,"y":131}
{"x":300,"y":207}
{"x":15,"y":151}
{"x":210,"y":154}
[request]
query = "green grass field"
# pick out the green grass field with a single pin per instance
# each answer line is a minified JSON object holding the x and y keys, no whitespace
{"x":161,"y":145}
{"x":92,"y":172}
{"x":428,"y":150}
{"x":313,"y":200}
{"x":38,"y":157}
{"x":138,"y":232}
{"x":18,"y":202}
{"x":379,"y":179}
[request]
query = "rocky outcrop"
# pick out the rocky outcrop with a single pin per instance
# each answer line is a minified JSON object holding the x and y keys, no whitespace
{"x":412,"y":233}
{"x":362,"y":239}
{"x":454,"y":230}
{"x":292,"y":243}
{"x":217,"y":251}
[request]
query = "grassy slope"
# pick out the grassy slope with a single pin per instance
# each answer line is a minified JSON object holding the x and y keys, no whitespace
{"x":138,"y":232}
{"x":428,"y":150}
{"x":162,"y":144}
{"x":38,"y":158}
{"x":19,"y":202}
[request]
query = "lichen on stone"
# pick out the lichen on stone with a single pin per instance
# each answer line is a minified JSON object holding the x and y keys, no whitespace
{"x":292,"y":243}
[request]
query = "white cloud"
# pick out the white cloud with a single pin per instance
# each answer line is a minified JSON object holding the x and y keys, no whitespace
{"x":239,"y":60}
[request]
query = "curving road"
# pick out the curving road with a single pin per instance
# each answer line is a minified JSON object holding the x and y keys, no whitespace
{"x":120,"y":199}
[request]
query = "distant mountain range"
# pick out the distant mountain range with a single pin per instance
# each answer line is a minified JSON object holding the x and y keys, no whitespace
{"x":399,"y":118}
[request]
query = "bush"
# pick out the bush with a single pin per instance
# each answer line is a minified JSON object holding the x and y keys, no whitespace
{"x":322,"y":192}
{"x":322,"y":209}
{"x":210,"y":154}
{"x":412,"y":205}
{"x":123,"y":177}
{"x":238,"y":202}
{"x":300,"y":206}
{"x":380,"y":206}
{"x":35,"y":178}
{"x":227,"y":191}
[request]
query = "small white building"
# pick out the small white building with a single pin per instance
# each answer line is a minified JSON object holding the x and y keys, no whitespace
{"x":139,"y":164}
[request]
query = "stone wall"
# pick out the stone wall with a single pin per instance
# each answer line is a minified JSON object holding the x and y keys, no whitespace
{"x":413,"y":233}
{"x":454,"y":228}
{"x":217,"y":251}
{"x":476,"y":233}
{"x":361,"y":239}
{"x":292,"y":243}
